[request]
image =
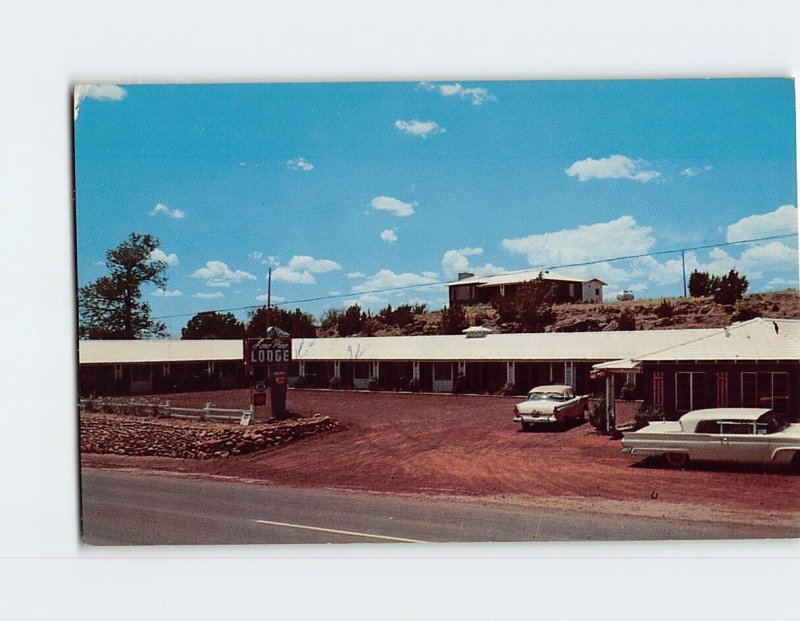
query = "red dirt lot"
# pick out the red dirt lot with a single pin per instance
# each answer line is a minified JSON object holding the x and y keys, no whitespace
{"x":468,"y":446}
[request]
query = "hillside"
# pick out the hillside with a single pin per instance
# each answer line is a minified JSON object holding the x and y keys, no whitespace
{"x":647,"y":314}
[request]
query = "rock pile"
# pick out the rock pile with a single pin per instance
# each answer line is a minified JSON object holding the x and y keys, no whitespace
{"x":127,"y":435}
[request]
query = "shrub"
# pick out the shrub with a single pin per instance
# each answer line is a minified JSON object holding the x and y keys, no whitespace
{"x":413,"y":385}
{"x":454,"y":320}
{"x":508,"y":390}
{"x":665,"y":309}
{"x":700,"y":284}
{"x":373,"y":384}
{"x":628,"y":390}
{"x":744,"y":310}
{"x":647,"y":414}
{"x":461,"y":384}
{"x":335,"y":383}
{"x":300,"y":382}
{"x":598,"y":416}
{"x":626,"y":320}
{"x":730,"y":288}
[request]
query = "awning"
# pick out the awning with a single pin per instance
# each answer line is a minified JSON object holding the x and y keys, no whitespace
{"x":624,"y":365}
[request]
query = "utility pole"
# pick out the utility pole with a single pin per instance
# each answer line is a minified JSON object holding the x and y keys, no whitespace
{"x":269,"y":292}
{"x":683,"y":261}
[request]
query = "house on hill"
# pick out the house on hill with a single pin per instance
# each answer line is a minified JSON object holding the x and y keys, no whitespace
{"x":471,"y":289}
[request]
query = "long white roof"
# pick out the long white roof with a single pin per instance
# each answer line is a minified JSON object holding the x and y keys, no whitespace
{"x":589,"y":346}
{"x":107,"y":352}
{"x":517,"y":276}
{"x":757,"y":339}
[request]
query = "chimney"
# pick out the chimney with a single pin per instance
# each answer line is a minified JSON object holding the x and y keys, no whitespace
{"x":463,"y":275}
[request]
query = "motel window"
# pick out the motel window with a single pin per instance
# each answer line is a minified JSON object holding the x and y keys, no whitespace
{"x":461,"y":293}
{"x":658,"y":390}
{"x":361,"y":370}
{"x":443,"y":371}
{"x":690,"y":391}
{"x":140,"y":373}
{"x":766,"y":390}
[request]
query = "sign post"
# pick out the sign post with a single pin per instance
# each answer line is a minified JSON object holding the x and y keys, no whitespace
{"x":268,"y":357}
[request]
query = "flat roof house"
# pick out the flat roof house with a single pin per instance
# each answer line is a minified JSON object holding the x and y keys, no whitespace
{"x":471,"y":289}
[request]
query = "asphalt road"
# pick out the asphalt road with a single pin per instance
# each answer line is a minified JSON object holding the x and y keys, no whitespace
{"x":124,"y":508}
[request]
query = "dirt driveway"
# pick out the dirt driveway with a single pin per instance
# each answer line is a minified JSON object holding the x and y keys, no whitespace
{"x":468,"y":446}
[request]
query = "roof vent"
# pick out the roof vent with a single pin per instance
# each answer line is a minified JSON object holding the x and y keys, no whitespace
{"x":476,"y":332}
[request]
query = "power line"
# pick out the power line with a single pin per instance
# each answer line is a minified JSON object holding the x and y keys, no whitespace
{"x":444,"y":282}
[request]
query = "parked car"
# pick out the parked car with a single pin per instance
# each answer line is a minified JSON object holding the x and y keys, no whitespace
{"x":738,"y":435}
{"x":551,"y":404}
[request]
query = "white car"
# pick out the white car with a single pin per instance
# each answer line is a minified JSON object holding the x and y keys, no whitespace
{"x":739,"y":435}
{"x":550,"y":404}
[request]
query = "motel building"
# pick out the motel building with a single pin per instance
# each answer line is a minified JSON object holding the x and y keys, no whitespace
{"x":752,"y":363}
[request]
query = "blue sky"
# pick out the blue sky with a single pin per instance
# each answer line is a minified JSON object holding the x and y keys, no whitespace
{"x":345,"y":189}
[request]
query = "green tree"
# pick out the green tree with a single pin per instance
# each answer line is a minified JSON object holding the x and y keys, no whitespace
{"x":111,"y":307}
{"x":700,"y":284}
{"x":730,"y":288}
{"x":213,"y":325}
{"x":351,"y":321}
{"x":454,"y":320}
{"x":297,"y":323}
{"x":534,"y":304}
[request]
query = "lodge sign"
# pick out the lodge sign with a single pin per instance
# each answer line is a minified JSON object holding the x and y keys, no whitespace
{"x":268,"y":350}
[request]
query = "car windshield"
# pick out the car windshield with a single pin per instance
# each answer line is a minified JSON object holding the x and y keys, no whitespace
{"x":547,"y":396}
{"x":771,"y":422}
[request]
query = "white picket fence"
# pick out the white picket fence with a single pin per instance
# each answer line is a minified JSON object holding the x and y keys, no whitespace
{"x":163,"y":409}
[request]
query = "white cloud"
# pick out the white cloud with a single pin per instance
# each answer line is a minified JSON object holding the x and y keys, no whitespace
{"x":387,"y":279}
{"x":591,"y":242}
{"x":367,"y":300}
{"x":300,"y":163}
{"x":172,"y":213}
{"x":256,"y":255}
{"x":782,"y":220}
{"x":613,"y":167}
{"x":774,"y":255}
{"x":163,"y":293}
{"x":209,"y":296}
{"x":455,"y":261}
{"x":275,"y":299}
{"x":286,"y":274}
{"x":476,"y":93}
{"x":693,"y":171}
{"x":392,"y":205}
{"x":160,"y":255}
{"x":98,"y":92}
{"x":349,"y":274}
{"x":419,"y":128}
{"x":781,"y":283}
{"x":389,"y":235}
{"x":101,"y":92}
{"x":218,"y":274}
{"x":301,"y":269}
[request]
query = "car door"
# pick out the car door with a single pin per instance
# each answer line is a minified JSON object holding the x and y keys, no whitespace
{"x":741,"y":444}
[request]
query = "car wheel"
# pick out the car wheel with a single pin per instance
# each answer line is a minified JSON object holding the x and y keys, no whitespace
{"x":794,"y":465}
{"x":676,"y":460}
{"x":526,"y":426}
